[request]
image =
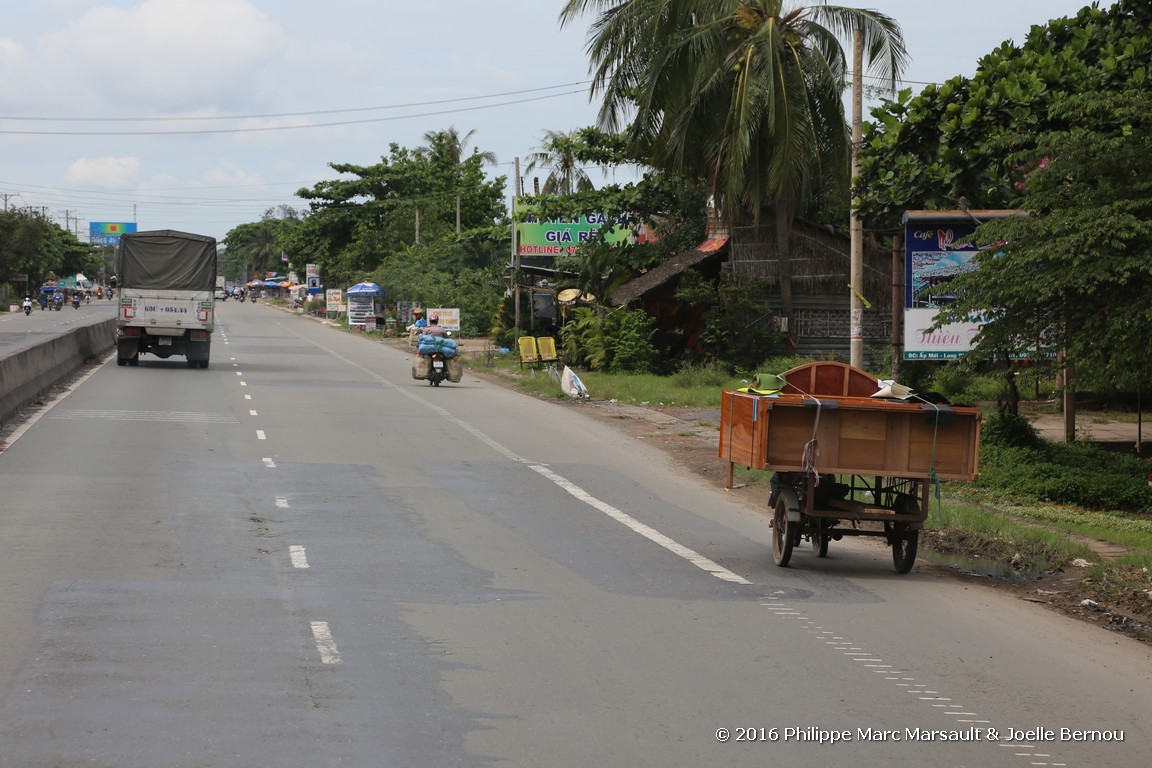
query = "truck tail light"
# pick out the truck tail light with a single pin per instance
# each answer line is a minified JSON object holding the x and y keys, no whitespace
{"x":200,"y":336}
{"x":130,"y":331}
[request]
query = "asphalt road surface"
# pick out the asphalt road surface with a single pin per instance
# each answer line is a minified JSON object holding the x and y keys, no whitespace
{"x":303,"y":557}
{"x":19,"y":331}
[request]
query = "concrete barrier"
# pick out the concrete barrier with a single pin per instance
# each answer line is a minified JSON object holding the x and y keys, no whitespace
{"x":29,"y":373}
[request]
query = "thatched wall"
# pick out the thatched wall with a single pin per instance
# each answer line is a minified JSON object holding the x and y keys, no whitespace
{"x":821,"y":270}
{"x":820,"y":259}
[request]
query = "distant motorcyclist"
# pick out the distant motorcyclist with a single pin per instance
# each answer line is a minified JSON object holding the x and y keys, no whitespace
{"x":27,"y":304}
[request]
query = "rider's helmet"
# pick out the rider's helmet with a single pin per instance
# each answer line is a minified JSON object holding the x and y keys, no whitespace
{"x":433,"y":318}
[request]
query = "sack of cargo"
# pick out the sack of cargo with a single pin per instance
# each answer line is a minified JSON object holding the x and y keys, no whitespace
{"x":426,"y":345}
{"x":421,"y":367}
{"x":455,"y":369}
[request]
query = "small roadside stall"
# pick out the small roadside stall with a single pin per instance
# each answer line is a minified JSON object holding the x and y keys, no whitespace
{"x":364,"y":304}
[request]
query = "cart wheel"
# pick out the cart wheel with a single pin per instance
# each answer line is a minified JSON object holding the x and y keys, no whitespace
{"x":820,"y":537}
{"x":904,"y":551}
{"x":784,"y":534}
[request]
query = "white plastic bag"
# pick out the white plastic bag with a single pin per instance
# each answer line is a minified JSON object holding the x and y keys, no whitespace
{"x":571,"y":385}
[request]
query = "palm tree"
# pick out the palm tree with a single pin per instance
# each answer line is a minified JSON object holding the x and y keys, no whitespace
{"x":558,"y":153}
{"x":744,"y":93}
{"x":453,"y":145}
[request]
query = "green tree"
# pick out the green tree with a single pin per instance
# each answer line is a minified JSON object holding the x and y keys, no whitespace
{"x":1076,"y":273}
{"x":34,"y":245}
{"x":743,"y":93}
{"x":396,"y":222}
{"x":944,"y":149}
{"x":253,"y":248}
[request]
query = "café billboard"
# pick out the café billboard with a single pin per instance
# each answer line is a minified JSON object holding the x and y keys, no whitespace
{"x":936,"y":251}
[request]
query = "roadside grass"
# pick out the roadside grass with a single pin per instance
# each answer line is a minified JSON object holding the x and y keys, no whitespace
{"x":693,"y":388}
{"x":998,"y":536}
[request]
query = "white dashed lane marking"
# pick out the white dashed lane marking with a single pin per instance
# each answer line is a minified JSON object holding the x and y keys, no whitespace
{"x":298,"y":556}
{"x":325,"y":644}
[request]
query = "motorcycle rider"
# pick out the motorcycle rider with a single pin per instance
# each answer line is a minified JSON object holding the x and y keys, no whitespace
{"x":27,"y":303}
{"x":434,"y":328}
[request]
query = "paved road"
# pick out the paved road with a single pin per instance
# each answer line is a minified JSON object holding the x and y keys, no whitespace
{"x":303,"y":557}
{"x":19,"y":331}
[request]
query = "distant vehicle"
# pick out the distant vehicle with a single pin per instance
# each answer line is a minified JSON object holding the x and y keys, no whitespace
{"x":167,"y":302}
{"x":221,"y":294}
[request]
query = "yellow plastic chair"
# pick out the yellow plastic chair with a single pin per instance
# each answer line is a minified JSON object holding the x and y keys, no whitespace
{"x":547,"y":349}
{"x":528,"y":351}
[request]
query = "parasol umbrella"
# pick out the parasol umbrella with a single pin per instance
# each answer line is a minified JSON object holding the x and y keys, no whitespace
{"x":365,"y":289}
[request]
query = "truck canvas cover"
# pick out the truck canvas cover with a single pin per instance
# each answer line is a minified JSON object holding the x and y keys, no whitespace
{"x":167,"y":259}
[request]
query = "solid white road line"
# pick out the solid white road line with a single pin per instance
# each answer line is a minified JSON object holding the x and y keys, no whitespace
{"x":646,"y":531}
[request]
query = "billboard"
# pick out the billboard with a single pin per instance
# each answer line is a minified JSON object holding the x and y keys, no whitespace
{"x":933,"y":255}
{"x":108,"y":232}
{"x":559,"y":236}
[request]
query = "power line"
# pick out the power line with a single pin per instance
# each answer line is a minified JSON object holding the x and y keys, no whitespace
{"x":283,"y":127}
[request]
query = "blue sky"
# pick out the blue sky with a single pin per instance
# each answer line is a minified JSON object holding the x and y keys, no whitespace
{"x":236,"y":104}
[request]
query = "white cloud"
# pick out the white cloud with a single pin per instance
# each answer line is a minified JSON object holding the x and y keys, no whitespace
{"x":164,"y":56}
{"x":104,"y":172}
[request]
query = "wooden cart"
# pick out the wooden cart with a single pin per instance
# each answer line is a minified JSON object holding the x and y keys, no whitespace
{"x":845,"y":463}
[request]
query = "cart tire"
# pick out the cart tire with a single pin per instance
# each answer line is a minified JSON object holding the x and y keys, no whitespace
{"x":904,"y":551}
{"x":784,"y":532}
{"x":820,"y":537}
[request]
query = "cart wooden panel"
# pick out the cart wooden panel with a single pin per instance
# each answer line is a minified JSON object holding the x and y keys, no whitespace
{"x":855,"y":436}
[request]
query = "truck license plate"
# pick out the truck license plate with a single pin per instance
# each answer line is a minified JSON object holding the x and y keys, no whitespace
{"x":164,"y":341}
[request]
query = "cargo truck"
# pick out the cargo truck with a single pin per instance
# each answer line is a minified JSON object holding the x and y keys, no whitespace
{"x":166,"y":307}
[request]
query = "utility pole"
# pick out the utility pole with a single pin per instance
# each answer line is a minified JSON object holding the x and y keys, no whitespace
{"x":516,"y":193}
{"x":856,"y":321}
{"x":8,"y":196}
